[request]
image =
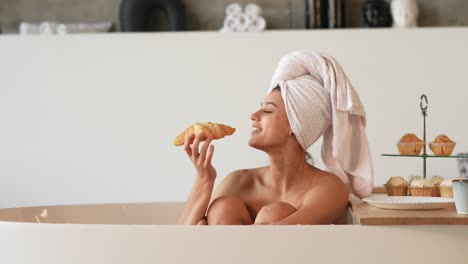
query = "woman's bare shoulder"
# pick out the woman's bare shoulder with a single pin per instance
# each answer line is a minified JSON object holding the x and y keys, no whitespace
{"x":329,"y":182}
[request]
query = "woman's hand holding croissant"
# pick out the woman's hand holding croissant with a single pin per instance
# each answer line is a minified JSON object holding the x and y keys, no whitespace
{"x":201,"y":159}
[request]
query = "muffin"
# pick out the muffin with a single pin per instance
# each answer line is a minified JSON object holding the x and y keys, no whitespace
{"x":442,"y":146}
{"x":422,"y":187}
{"x":414,"y":177}
{"x":436,"y":180}
{"x":411,"y":179}
{"x":396,"y":186}
{"x":410,"y":144}
{"x":445,"y":188}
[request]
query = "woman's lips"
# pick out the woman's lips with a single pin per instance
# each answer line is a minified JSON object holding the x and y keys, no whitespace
{"x":256,"y":129}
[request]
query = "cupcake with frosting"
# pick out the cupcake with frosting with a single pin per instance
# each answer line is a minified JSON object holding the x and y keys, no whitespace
{"x":396,"y":186}
{"x":423,"y":187}
{"x":436,"y":180}
{"x":445,"y":188}
{"x":411,"y":178}
{"x":414,"y":177}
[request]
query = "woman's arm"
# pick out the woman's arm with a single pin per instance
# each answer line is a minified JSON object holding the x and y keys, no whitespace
{"x":203,"y":222}
{"x":322,"y":205}
{"x":197,"y":203}
{"x":199,"y":198}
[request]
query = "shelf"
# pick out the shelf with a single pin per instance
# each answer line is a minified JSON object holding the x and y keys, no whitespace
{"x":425,"y":156}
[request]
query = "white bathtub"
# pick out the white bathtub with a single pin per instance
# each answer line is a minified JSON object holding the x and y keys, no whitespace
{"x":143,"y":233}
{"x":110,"y":214}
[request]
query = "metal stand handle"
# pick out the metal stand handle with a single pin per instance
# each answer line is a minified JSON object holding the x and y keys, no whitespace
{"x":423,"y":104}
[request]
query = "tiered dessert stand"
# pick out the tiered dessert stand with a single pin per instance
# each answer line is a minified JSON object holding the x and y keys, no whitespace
{"x":423,"y":105}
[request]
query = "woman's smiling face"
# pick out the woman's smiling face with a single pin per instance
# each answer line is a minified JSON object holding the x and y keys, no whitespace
{"x":270,"y":125}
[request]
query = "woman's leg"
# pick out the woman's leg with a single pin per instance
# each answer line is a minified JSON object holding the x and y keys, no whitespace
{"x":274,"y":212}
{"x":228,"y":210}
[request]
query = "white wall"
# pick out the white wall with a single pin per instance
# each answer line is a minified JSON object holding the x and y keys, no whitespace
{"x":91,"y":118}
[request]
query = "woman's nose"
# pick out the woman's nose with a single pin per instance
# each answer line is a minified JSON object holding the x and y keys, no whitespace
{"x":254,"y":116}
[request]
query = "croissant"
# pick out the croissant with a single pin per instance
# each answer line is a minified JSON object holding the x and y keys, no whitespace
{"x":217,"y":130}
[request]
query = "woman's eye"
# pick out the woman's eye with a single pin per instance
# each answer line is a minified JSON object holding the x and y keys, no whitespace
{"x":268,"y":112}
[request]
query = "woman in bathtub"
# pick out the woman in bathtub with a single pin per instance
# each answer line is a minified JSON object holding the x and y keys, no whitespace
{"x":310,"y":97}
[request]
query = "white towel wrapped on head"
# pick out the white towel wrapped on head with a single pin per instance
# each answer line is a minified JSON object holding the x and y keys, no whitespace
{"x":321,"y":101}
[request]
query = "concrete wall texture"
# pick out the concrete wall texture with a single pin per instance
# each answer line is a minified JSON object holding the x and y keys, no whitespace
{"x":209,"y":14}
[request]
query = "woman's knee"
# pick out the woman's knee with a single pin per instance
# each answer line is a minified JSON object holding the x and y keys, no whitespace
{"x":228,"y":210}
{"x":274,"y":212}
